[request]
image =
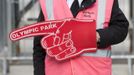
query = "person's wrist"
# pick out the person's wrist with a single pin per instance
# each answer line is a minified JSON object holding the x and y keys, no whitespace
{"x":97,"y":37}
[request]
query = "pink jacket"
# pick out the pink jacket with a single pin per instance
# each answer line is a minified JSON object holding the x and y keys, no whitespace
{"x":88,"y":63}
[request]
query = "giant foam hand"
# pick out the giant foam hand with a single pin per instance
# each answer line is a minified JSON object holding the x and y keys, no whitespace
{"x":66,"y":38}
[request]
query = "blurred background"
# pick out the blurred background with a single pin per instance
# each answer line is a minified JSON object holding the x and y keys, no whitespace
{"x":16,"y":57}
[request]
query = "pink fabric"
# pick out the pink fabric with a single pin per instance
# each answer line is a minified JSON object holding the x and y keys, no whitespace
{"x":86,"y":65}
{"x":82,"y":65}
{"x":61,"y":11}
{"x":109,"y":6}
{"x":90,"y":13}
{"x":54,"y":67}
{"x":43,"y":7}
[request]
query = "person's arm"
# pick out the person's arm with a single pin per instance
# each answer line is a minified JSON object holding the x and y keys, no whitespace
{"x":38,"y":53}
{"x":117,"y":30}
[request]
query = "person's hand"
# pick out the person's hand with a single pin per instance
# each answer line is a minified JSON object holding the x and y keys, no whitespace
{"x":97,"y":37}
{"x":71,"y":39}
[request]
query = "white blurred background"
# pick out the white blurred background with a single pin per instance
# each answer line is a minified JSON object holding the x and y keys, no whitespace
{"x":16,"y":57}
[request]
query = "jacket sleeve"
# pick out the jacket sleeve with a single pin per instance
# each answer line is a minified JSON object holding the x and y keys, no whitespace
{"x":38,"y":53}
{"x":117,"y":30}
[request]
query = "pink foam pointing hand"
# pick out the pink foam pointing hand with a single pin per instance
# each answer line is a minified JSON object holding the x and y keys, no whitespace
{"x":63,"y":39}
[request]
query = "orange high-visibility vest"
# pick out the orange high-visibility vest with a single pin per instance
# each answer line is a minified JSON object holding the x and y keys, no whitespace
{"x":98,"y":63}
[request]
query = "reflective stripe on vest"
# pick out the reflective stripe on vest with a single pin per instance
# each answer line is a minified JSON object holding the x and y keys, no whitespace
{"x":50,"y":9}
{"x":100,"y":11}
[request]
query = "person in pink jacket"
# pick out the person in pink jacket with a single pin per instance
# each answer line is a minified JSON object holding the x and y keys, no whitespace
{"x":111,"y":28}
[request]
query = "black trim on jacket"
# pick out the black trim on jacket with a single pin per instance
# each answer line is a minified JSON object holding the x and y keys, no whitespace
{"x":38,"y":53}
{"x":117,"y":30}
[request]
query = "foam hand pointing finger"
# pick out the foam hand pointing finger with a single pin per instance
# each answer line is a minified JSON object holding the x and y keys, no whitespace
{"x":63,"y":39}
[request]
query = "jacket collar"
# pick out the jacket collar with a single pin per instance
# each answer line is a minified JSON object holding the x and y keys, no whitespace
{"x":87,"y":3}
